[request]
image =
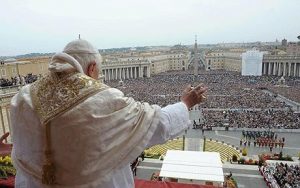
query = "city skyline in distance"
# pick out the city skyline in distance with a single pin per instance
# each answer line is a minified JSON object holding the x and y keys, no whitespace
{"x":46,"y":26}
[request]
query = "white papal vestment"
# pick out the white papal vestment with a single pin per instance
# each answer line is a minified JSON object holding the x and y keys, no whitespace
{"x":94,"y":142}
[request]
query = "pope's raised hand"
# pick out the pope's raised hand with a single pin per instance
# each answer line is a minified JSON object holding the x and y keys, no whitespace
{"x":192,"y":96}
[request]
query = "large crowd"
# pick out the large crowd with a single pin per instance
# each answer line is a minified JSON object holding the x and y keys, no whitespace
{"x":265,"y":119}
{"x":281,"y":175}
{"x":245,"y":99}
{"x":242,"y":101}
{"x":18,"y":80}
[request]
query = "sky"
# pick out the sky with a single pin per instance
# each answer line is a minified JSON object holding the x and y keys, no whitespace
{"x":28,"y":26}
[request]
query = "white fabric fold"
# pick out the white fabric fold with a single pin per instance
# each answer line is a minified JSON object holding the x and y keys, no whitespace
{"x":62,"y":62}
{"x":90,"y":143}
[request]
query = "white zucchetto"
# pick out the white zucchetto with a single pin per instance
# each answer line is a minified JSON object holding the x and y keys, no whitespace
{"x":64,"y":61}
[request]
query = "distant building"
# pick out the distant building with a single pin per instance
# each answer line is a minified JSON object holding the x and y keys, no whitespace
{"x":226,"y":60}
{"x":116,"y":65}
{"x":12,"y":67}
{"x":252,"y":63}
{"x":293,"y":48}
{"x":284,"y":42}
{"x":121,"y":66}
{"x":277,"y":64}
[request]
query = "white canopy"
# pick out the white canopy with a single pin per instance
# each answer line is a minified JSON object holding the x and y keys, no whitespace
{"x":193,"y":165}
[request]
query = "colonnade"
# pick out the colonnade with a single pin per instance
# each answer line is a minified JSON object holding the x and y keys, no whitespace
{"x":281,"y":68}
{"x":125,"y":72}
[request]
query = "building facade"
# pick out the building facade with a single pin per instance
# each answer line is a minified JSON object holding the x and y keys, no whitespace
{"x":143,"y":64}
{"x":36,"y":66}
{"x":116,"y":66}
{"x":122,"y":69}
{"x":230,"y":61}
{"x":281,"y":65}
{"x":293,"y":48}
{"x":277,"y":65}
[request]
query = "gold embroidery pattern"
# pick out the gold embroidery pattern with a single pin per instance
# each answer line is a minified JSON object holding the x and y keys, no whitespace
{"x":53,"y":95}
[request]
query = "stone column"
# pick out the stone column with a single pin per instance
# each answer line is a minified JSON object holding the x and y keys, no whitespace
{"x":125,"y":73}
{"x":290,"y":66}
{"x":279,"y":69}
{"x":269,"y":68}
{"x":284,"y":69}
{"x":117,"y":73}
{"x":295,"y":66}
{"x":148,"y":71}
{"x":106,"y":74}
{"x":131,"y":75}
{"x":274,"y":68}
{"x":140,"y":71}
{"x":109,"y":74}
{"x":107,"y":71}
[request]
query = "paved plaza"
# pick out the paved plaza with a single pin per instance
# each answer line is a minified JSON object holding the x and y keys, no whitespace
{"x":292,"y":140}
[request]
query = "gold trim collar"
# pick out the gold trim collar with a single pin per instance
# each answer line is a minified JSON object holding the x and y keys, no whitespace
{"x":53,"y":94}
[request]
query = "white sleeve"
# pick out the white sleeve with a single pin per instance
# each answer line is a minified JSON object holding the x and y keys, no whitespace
{"x":174,"y":119}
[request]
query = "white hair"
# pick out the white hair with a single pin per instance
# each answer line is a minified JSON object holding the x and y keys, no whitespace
{"x":86,"y":59}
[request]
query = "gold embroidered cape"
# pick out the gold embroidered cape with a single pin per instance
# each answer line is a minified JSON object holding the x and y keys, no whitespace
{"x":53,"y":95}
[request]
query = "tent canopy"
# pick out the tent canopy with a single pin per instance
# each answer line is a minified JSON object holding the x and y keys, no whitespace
{"x":193,"y":165}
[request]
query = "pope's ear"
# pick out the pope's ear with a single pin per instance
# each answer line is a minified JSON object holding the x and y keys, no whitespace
{"x":91,"y":68}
